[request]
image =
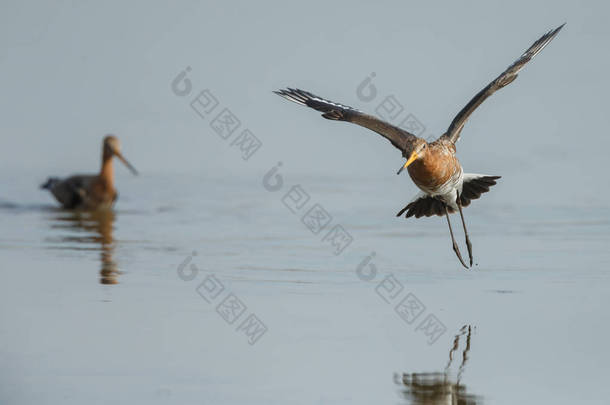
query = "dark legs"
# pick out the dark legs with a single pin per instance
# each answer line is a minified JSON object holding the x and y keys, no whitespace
{"x":468,"y":244}
{"x":464,"y":356}
{"x":430,"y":206}
{"x":466,"y":330}
{"x":456,"y":249}
{"x":456,"y":345}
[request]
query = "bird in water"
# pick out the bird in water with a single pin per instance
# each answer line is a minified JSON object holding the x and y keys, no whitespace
{"x":90,"y":192}
{"x":433,"y":167}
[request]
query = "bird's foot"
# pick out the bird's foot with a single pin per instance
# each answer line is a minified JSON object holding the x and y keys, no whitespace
{"x":456,"y":249}
{"x":469,"y":246}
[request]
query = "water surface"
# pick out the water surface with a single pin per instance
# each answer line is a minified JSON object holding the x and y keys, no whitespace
{"x":110,"y":308}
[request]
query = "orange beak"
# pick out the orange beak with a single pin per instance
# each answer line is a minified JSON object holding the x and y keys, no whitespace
{"x":411,"y":159}
{"x":126,"y":163}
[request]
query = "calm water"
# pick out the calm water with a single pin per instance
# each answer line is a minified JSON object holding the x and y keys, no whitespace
{"x":110,"y":308}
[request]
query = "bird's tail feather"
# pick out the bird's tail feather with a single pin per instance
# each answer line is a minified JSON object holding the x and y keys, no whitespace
{"x":51,"y":181}
{"x":425,"y":205}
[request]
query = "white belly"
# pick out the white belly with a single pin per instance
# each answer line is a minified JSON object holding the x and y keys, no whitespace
{"x":448,"y":192}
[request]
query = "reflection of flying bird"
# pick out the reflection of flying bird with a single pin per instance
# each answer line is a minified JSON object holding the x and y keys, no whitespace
{"x":438,"y":388}
{"x":433,"y":166}
{"x":90,"y":191}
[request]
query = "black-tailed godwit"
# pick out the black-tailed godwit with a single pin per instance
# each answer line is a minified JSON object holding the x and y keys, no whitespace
{"x":433,"y":167}
{"x":90,"y":192}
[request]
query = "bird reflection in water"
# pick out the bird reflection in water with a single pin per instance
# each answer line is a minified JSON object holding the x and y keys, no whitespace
{"x":91,"y":228}
{"x":438,"y":388}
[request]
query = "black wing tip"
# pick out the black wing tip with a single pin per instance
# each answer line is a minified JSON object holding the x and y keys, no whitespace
{"x":296,"y":95}
{"x":293,"y":91}
{"x":549,"y":36}
{"x":332,"y":111}
{"x":555,"y":31}
{"x":541,"y":43}
{"x":282,"y":92}
{"x":552,"y":32}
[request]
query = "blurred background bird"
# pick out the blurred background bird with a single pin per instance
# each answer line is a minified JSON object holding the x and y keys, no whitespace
{"x":94,"y":191}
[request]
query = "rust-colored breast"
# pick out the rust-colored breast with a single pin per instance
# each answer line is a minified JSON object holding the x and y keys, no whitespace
{"x":436,"y":168}
{"x":101,"y":194}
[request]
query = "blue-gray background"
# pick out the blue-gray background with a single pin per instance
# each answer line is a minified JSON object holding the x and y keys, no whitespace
{"x":71,"y":72}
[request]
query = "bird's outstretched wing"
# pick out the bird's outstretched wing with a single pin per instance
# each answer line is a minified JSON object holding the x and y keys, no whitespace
{"x":338,"y":112}
{"x":510,"y":74}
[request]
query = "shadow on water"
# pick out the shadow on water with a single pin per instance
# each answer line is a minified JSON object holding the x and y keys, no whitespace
{"x":90,"y":230}
{"x":436,"y":388}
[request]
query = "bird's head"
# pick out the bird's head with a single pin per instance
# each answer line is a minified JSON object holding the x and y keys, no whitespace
{"x":112,"y":147}
{"x":416,"y":150}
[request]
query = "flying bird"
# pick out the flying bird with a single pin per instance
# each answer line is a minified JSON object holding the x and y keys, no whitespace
{"x":433,"y":167}
{"x":90,"y":192}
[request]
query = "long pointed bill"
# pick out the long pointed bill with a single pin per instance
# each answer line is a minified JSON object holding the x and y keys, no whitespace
{"x":411,"y":160}
{"x":126,"y":163}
